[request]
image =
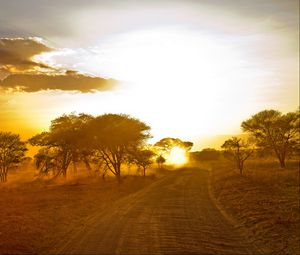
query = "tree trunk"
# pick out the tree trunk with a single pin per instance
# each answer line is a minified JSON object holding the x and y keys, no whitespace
{"x":281,"y":157}
{"x":282,"y":162}
{"x":118,"y":172}
{"x":3,"y":177}
{"x":118,"y":175}
{"x":144,"y":168}
{"x":2,"y":174}
{"x":241,"y":170}
{"x":67,"y":158}
{"x":240,"y":165}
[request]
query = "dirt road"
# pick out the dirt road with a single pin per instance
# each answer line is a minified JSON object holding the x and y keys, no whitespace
{"x":175,"y":215}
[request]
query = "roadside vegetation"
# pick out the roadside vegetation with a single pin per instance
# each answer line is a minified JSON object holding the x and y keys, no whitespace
{"x":105,"y":144}
{"x":263,"y":202}
{"x":255,"y":182}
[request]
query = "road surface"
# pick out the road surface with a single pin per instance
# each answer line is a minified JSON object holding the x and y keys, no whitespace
{"x":174,"y":215}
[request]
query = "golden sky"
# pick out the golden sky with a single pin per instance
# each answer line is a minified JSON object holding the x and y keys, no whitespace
{"x":190,"y":69}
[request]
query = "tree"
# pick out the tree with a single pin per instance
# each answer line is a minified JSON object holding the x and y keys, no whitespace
{"x":238,"y":151}
{"x":64,"y":143}
{"x":12,"y":152}
{"x":276,"y":131}
{"x":48,"y":160}
{"x":166,"y":144}
{"x":160,"y":160}
{"x":164,"y":147}
{"x":143,"y":158}
{"x":113,"y":136}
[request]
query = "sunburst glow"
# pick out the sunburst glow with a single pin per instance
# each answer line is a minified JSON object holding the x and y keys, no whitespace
{"x":178,"y":67}
{"x":177,"y":156}
{"x":182,"y":67}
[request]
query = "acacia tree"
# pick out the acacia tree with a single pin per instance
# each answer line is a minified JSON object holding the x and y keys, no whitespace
{"x":63,"y":144}
{"x":238,"y":151}
{"x":166,"y":144}
{"x":143,"y":158}
{"x":12,"y":152}
{"x":275,"y":131}
{"x":114,"y":136}
{"x":47,"y":160}
{"x":160,"y":160}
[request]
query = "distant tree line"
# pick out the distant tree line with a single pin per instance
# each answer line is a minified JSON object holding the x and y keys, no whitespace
{"x":109,"y":141}
{"x":105,"y":142}
{"x":207,"y":154}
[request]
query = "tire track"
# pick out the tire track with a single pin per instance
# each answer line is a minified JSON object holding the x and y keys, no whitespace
{"x":174,"y":215}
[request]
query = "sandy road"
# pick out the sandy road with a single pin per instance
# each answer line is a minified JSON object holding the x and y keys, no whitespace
{"x":174,"y":215}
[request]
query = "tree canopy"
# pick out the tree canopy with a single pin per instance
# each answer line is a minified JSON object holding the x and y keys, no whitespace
{"x":160,"y":160}
{"x":64,"y":143}
{"x":166,"y":144}
{"x":114,"y":136}
{"x":275,"y":131}
{"x":12,"y":152}
{"x":107,"y":138}
{"x":142,"y":158}
{"x":238,"y":151}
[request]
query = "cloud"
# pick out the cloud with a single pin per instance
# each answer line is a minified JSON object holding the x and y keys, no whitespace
{"x":71,"y":81}
{"x":16,"y":54}
{"x":18,"y":71}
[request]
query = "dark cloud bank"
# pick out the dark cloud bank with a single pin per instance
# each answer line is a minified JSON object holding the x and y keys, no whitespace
{"x":36,"y":82}
{"x":21,"y":72}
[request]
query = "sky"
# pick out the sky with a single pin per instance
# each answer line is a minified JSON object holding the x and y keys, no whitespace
{"x":190,"y":69}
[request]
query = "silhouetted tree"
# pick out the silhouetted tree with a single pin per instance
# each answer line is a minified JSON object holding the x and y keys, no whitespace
{"x":238,"y":151}
{"x":113,"y":136}
{"x":276,"y":131}
{"x":47,"y":160}
{"x":64,"y":143}
{"x":12,"y":152}
{"x":166,"y":144}
{"x":160,"y":160}
{"x":143,"y":158}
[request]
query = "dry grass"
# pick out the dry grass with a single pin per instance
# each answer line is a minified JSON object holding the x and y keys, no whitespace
{"x":37,"y":214}
{"x":264,"y":202}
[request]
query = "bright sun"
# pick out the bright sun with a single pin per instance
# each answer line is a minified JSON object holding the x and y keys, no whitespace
{"x":177,"y":156}
{"x":177,"y":72}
